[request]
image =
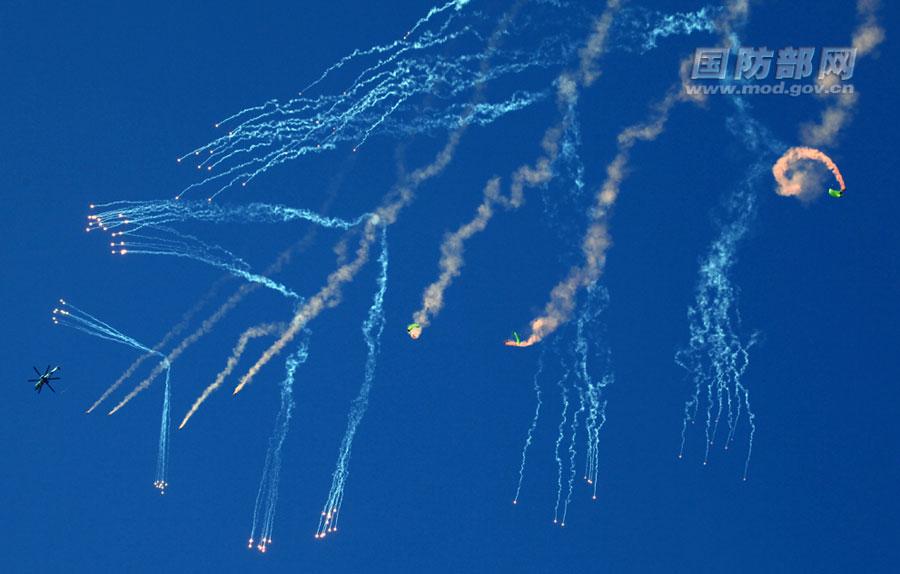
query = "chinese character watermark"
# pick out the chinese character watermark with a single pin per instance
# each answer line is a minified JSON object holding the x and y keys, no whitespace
{"x":710,"y":64}
{"x":794,"y":63}
{"x":753,"y":63}
{"x":836,"y":64}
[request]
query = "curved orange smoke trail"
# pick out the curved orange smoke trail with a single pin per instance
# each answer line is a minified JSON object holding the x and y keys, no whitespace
{"x":794,"y":178}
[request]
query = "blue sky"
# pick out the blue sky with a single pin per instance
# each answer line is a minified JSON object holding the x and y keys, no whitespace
{"x":100,"y":99}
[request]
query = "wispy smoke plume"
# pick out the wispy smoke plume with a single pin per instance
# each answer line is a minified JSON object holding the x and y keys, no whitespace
{"x":451,"y":262}
{"x":386,"y":215}
{"x":866,"y":38}
{"x":597,"y":240}
{"x":568,"y":86}
{"x":240,"y":346}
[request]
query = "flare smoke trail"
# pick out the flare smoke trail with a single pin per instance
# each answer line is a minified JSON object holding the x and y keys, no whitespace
{"x":276,"y":266}
{"x":479,"y":114}
{"x":534,"y":421}
{"x":165,"y":425}
{"x":588,"y":331}
{"x":568,"y":85}
{"x":71,"y":316}
{"x":398,"y":66}
{"x":402,"y":194}
{"x":452,"y":256}
{"x":240,"y":346}
{"x":564,"y":394}
{"x":588,"y":389}
{"x":329,"y":294}
{"x":579,"y":354}
{"x":260,"y":212}
{"x":596,"y":241}
{"x":263,"y":521}
{"x":148,"y":230}
{"x":372,"y":329}
{"x":563,"y":302}
{"x":795,"y":178}
{"x":717,"y":355}
{"x":453,"y":247}
{"x":591,"y":390}
{"x":435,"y":59}
{"x":167,"y":241}
{"x":640,"y":30}
{"x":569,"y":173}
{"x":156,"y":350}
{"x":173,"y":355}
{"x":396,"y":200}
{"x":867,"y":36}
{"x":133,"y":216}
